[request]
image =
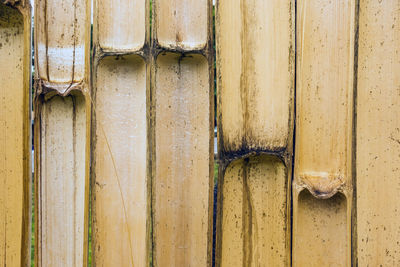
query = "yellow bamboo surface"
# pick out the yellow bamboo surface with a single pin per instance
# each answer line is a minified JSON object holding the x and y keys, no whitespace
{"x":321,"y":228}
{"x":255,"y":73}
{"x":120,"y":140}
{"x":120,"y":184}
{"x":137,"y":117}
{"x":254,"y":217}
{"x":62,"y":131}
{"x":182,"y":173}
{"x":322,"y":189}
{"x":182,"y":130}
{"x":255,"y":76}
{"x":182,"y":23}
{"x":61,"y":28}
{"x":15,"y":124}
{"x":378,"y":134}
{"x":120,"y":25}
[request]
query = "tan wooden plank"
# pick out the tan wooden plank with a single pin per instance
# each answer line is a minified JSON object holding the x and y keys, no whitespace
{"x":182,"y":23}
{"x":182,"y":133}
{"x":120,"y":25}
{"x":121,"y":192}
{"x":15,"y":165}
{"x":324,"y":94}
{"x":182,"y":161}
{"x":255,"y":76}
{"x":119,"y":163}
{"x":62,"y":182}
{"x":323,"y":153}
{"x":378,"y":134}
{"x":254,"y":216}
{"x":62,"y":131}
{"x":61,"y":29}
{"x":256,"y":66}
{"x":321,"y":231}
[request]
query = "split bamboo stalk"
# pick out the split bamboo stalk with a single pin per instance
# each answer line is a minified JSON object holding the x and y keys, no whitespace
{"x":121,"y":189}
{"x":182,"y":128}
{"x":62,"y":131}
{"x":378,"y":134}
{"x":15,"y":132}
{"x":322,"y":187}
{"x":255,"y":64}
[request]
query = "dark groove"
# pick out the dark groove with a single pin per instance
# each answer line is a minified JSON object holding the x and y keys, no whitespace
{"x":294,"y":132}
{"x":74,"y":139}
{"x":247,"y":217}
{"x":354,"y":238}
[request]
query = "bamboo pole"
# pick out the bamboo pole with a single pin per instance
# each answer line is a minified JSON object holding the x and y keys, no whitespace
{"x":182,"y":128}
{"x":121,"y":189}
{"x":15,"y":132}
{"x":62,"y":131}
{"x":378,"y":110}
{"x":255,"y":76}
{"x":322,"y":187}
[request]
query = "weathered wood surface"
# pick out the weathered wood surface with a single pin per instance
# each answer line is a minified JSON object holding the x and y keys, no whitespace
{"x":15,"y":128}
{"x":321,"y":229}
{"x":254,"y":219}
{"x":120,"y":25}
{"x":322,"y":189}
{"x":182,"y":130}
{"x":62,"y":131}
{"x":182,"y":24}
{"x":255,"y":76}
{"x":378,"y":134}
{"x":181,"y":183}
{"x":151,"y":128}
{"x":61,"y":45}
{"x":119,"y":163}
{"x":120,"y":183}
{"x":61,"y":188}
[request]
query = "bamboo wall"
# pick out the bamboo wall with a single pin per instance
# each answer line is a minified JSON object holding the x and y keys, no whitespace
{"x":182,"y":132}
{"x":120,"y":183}
{"x":62,"y":131}
{"x":255,"y":138}
{"x":307,"y":116}
{"x":15,"y":133}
